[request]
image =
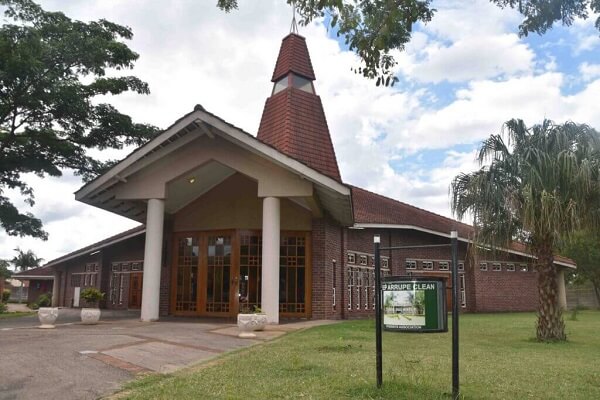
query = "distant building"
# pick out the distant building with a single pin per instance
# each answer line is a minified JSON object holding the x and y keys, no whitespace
{"x":29,"y":285}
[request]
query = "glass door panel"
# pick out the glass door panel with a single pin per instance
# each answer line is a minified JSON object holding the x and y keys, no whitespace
{"x":188,"y":256}
{"x":292,"y":270}
{"x":250,"y":270}
{"x":218,"y":283}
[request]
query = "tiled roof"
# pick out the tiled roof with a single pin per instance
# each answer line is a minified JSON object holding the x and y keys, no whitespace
{"x":293,"y":122}
{"x":373,"y":208}
{"x":293,"y":56}
{"x":39,"y":271}
{"x":98,"y":245}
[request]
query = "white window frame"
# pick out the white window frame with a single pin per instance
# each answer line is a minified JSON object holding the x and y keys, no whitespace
{"x":412,"y":263}
{"x":444,"y":266}
{"x":427,"y":265}
{"x":461,"y":266}
{"x":510,"y":267}
{"x":351,"y":258}
{"x":524,"y":268}
{"x":483,"y":266}
{"x":363,"y":259}
{"x":497,"y":267}
{"x":463,"y":291}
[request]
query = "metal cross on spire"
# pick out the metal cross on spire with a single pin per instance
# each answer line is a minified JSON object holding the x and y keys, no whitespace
{"x":294,"y":26}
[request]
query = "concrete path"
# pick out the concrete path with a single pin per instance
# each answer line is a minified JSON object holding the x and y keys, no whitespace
{"x":76,"y":361}
{"x":21,"y":307}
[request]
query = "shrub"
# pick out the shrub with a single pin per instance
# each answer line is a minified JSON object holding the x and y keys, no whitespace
{"x":44,"y":300}
{"x":5,"y":296}
{"x":3,"y":308}
{"x":92,"y":296}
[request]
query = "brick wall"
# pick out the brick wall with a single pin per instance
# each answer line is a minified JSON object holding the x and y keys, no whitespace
{"x":326,"y":247}
{"x":37,"y":288}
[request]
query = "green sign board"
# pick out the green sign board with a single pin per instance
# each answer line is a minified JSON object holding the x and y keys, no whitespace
{"x":414,"y":304}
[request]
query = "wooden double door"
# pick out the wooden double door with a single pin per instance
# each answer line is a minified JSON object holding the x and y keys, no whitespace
{"x":218,"y":273}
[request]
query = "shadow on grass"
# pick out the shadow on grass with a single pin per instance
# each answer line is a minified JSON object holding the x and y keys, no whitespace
{"x":393,"y":389}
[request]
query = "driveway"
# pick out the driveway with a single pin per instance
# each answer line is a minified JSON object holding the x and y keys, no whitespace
{"x":77,"y":361}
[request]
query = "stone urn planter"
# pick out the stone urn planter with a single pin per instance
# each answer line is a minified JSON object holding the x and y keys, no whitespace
{"x":47,"y":317}
{"x":249,"y":323}
{"x":91,"y":315}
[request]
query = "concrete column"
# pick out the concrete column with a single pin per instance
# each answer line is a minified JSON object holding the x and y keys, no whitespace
{"x":55,"y":288}
{"x":270,"y":259}
{"x":152,"y":259}
{"x":562,"y":293}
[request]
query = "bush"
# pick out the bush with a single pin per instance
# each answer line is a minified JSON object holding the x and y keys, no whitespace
{"x":33,"y":306}
{"x":92,"y":296}
{"x":44,"y":300}
{"x":5,"y":296}
{"x":3,"y":308}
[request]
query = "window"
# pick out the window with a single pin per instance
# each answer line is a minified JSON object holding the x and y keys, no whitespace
{"x":350,"y":287}
{"x":444,"y":266}
{"x":483,"y":266}
{"x":86,"y":280}
{"x":497,"y":267}
{"x":523,"y":268}
{"x":384,"y":263}
{"x":363,"y":260}
{"x":334,"y":279}
{"x":351,"y":258}
{"x":411,"y":264}
{"x":373,"y":261}
{"x":428,"y":265}
{"x":510,"y":267}
{"x":125,"y":267}
{"x":136,"y":266}
{"x":461,"y":266}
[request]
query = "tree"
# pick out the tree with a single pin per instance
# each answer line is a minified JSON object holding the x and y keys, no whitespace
{"x":541,"y":185}
{"x":25,"y":260}
{"x":5,"y":272}
{"x":372,"y":28}
{"x":584,"y":248}
{"x":52,"y":70}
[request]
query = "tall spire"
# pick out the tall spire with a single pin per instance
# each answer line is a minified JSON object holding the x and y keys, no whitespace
{"x":293,"y":119}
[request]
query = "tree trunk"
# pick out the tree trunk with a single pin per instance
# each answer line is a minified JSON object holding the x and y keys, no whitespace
{"x":550,"y":324}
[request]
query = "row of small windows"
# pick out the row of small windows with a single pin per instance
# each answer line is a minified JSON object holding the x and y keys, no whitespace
{"x":430,"y":265}
{"x":87,"y":278}
{"x":356,"y":258}
{"x":497,"y":267}
{"x":361,"y":288}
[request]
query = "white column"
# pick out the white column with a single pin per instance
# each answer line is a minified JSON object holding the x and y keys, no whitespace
{"x":270,"y":259}
{"x":152,"y":260}
{"x":55,"y":288}
{"x":562,"y":293}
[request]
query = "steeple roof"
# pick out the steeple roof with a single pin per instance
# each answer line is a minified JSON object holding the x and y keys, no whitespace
{"x":293,"y":56}
{"x":293,"y":119}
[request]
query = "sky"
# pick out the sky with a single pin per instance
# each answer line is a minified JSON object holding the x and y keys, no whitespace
{"x":461,"y":76}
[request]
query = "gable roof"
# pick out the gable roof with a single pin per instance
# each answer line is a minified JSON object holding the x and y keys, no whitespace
{"x":119,"y":237}
{"x":372,"y":210}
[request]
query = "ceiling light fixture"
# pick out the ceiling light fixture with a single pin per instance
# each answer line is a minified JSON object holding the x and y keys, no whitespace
{"x":192,"y":180}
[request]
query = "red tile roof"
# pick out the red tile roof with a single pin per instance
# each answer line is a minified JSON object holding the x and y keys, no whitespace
{"x":293,"y":56}
{"x":373,"y":208}
{"x":39,"y":271}
{"x":293,"y":122}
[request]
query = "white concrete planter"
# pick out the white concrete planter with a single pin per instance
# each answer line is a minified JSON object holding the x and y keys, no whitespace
{"x":249,"y":323}
{"x":47,"y":317}
{"x":90,"y":316}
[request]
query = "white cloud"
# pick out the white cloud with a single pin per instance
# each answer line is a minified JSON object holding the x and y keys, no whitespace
{"x":589,"y":71}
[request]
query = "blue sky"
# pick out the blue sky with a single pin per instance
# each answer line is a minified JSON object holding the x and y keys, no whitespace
{"x":461,"y":76}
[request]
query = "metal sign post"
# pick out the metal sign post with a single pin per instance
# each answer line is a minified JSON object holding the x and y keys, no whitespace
{"x":455,"y":381}
{"x":378,"y":318}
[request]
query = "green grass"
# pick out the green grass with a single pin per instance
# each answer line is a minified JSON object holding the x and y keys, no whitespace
{"x":16,"y":314}
{"x":499,"y":360}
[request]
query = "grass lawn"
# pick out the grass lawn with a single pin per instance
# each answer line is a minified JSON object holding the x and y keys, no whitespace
{"x":16,"y":314}
{"x":499,"y":360}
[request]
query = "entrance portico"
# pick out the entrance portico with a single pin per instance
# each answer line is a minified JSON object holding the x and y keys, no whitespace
{"x":207,"y":203}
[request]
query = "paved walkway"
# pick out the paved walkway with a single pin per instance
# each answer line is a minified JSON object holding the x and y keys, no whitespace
{"x":77,"y":361}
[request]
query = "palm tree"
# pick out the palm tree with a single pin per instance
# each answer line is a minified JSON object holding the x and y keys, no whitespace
{"x":539,"y":186}
{"x":25,"y":260}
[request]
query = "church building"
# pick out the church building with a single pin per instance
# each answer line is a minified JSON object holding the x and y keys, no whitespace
{"x":232,"y":221}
